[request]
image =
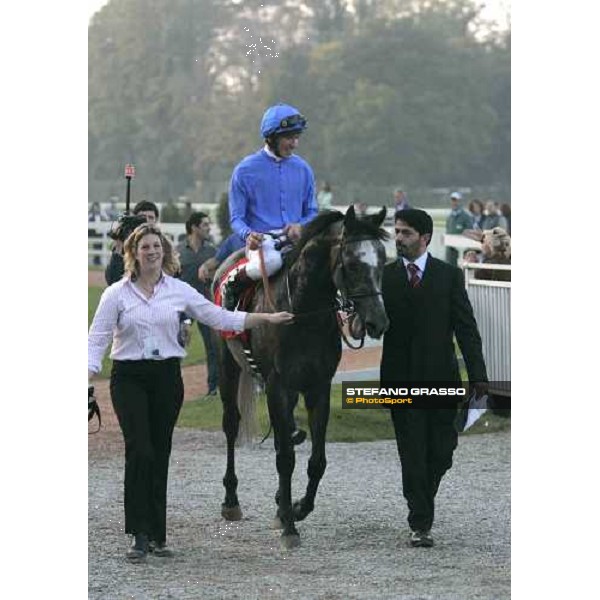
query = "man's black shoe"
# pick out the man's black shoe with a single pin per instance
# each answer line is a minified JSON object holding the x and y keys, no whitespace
{"x":421,"y":539}
{"x":160,"y":549}
{"x":298,"y":436}
{"x":139,"y":548}
{"x":212,"y":392}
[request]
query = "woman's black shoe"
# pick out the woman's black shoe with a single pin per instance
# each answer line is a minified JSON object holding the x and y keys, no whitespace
{"x":139,"y":548}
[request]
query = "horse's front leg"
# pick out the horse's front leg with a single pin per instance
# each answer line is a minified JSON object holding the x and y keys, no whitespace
{"x":229,"y":375}
{"x":317,"y":406}
{"x":279,"y":401}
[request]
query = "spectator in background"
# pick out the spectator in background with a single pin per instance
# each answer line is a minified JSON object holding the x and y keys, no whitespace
{"x":113,"y":211}
{"x":116,"y":268}
{"x":171,"y":214}
{"x":471,"y":256}
{"x":360,"y":208}
{"x":505,"y":212}
{"x":496,"y":249}
{"x":187,"y":210}
{"x":400,"y":200}
{"x":492,"y":217}
{"x":325,"y":197}
{"x":458,"y":221}
{"x":476,"y":210}
{"x":96,"y":215}
{"x":193,"y":252}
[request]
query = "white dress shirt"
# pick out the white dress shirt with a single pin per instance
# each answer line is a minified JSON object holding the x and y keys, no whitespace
{"x":147,"y":328}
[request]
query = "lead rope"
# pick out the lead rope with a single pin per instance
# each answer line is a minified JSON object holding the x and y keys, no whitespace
{"x":265,"y":280}
{"x":341,"y":328}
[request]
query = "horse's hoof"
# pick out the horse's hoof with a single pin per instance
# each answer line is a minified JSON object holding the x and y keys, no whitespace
{"x":290,"y":541}
{"x":300,"y":510}
{"x":276,"y":523}
{"x":232,"y":513}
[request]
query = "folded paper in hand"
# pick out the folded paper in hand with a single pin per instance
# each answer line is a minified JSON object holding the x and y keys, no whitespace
{"x":475,"y":408}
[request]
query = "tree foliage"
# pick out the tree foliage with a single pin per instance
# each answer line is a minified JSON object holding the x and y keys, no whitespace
{"x":394,"y":90}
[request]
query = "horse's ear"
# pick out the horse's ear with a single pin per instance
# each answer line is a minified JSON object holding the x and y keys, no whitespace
{"x":378,"y":218}
{"x":350,"y":215}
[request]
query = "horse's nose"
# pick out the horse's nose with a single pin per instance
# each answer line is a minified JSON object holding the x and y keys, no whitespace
{"x":377,"y":327}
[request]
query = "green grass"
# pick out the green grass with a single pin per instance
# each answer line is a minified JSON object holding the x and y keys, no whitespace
{"x":345,"y":425}
{"x":195,"y":351}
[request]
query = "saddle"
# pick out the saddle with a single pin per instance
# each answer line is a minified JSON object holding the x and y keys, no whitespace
{"x":244,"y":300}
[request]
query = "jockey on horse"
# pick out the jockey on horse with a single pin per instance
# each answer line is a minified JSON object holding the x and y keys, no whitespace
{"x":271,"y":191}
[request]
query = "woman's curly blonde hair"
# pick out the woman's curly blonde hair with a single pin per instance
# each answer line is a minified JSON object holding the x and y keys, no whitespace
{"x":498,"y":240}
{"x":170,"y":264}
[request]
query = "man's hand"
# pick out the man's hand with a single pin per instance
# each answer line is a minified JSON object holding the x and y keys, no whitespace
{"x":254,"y":240}
{"x":480,"y":388}
{"x":185,"y":333}
{"x":203,"y":274}
{"x":293,"y":231}
{"x":207,"y":269}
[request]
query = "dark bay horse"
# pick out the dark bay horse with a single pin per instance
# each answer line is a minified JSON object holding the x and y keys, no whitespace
{"x":336,"y":252}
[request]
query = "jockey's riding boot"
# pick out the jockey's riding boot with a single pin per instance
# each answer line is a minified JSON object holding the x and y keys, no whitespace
{"x":234,"y":287}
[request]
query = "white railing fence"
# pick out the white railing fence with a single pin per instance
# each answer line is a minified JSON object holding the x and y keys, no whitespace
{"x":491,"y":306}
{"x":99,"y":247}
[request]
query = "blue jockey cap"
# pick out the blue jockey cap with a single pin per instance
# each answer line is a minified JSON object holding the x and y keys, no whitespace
{"x":281,"y":118}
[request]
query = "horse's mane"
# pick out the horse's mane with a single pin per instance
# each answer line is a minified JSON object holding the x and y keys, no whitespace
{"x":357,"y":227}
{"x":318,"y":225}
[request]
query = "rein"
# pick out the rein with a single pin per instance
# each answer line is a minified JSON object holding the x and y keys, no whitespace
{"x":345,"y":304}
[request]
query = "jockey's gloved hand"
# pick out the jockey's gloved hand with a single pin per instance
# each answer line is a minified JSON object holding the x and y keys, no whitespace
{"x":293,"y":231}
{"x":254,"y":240}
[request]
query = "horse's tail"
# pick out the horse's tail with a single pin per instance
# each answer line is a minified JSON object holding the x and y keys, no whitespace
{"x":246,"y":401}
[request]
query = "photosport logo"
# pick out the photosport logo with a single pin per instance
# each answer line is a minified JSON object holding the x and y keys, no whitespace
{"x":372,"y":394}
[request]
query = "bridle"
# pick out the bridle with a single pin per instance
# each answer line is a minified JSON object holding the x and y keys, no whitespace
{"x":347,"y":296}
{"x":345,"y":302}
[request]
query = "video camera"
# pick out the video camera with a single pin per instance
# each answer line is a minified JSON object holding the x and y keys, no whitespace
{"x":124,"y":226}
{"x":126,"y":222}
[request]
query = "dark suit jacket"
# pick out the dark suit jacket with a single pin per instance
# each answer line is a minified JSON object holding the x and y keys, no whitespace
{"x":418,"y":346}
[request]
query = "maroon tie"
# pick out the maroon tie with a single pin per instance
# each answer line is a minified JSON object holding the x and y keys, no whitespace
{"x":414,"y":280}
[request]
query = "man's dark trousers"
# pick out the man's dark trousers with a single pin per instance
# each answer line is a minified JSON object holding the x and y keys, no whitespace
{"x":426,"y":440}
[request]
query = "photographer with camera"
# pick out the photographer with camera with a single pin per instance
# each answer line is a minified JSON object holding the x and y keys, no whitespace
{"x":143,"y":212}
{"x":140,"y":315}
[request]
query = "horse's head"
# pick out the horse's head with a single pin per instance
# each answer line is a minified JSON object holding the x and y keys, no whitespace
{"x":358,"y":271}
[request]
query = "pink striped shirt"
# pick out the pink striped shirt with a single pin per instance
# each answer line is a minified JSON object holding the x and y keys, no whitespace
{"x":142,"y":328}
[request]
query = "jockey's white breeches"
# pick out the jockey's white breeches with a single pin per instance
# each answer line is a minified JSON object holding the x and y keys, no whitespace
{"x":272,"y":258}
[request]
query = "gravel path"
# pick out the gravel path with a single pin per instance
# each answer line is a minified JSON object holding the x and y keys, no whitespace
{"x":353,"y":544}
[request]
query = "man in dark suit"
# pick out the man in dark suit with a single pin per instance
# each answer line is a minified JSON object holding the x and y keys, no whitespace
{"x":427,"y":305}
